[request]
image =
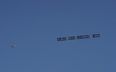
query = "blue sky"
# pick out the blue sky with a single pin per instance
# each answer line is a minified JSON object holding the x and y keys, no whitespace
{"x":35,"y":25}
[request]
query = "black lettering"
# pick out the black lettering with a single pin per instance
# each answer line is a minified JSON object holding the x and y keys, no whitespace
{"x":61,"y":39}
{"x":83,"y":37}
{"x":96,"y":35}
{"x":71,"y":38}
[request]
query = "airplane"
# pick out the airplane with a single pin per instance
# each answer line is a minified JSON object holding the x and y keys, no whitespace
{"x":13,"y":44}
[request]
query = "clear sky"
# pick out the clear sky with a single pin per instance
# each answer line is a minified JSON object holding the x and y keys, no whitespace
{"x":35,"y":25}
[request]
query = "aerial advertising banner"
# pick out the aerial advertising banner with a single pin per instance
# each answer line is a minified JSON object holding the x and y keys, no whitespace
{"x":77,"y":37}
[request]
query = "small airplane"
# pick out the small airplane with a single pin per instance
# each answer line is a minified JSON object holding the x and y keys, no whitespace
{"x":13,"y":44}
